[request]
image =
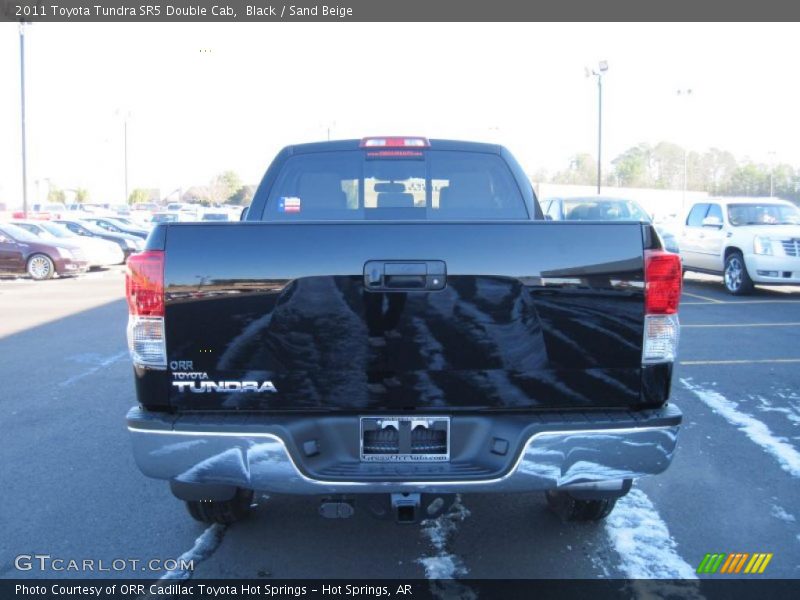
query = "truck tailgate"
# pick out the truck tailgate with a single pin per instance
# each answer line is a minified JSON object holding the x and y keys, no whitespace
{"x":397,"y":316}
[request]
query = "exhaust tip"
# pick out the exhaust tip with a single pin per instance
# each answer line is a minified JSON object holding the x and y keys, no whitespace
{"x":337,"y":509}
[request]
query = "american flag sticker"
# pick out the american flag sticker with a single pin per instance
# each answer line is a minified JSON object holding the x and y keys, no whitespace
{"x":289,"y":204}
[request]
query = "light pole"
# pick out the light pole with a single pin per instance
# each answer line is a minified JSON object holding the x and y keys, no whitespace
{"x":771,"y":155}
{"x":22,"y":117}
{"x":126,"y":161}
{"x":602,"y":67}
{"x":685,"y":93}
{"x":125,"y":114}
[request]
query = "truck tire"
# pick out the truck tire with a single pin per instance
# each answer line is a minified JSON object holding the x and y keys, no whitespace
{"x":222,"y":511}
{"x":737,"y":280}
{"x":569,"y":508}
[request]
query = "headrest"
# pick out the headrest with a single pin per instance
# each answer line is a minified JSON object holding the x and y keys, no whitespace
{"x":394,"y":188}
{"x":581,"y":212}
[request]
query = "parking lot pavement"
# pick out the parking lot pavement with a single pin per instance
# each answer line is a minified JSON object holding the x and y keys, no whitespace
{"x":73,"y":490}
{"x":25,"y":303}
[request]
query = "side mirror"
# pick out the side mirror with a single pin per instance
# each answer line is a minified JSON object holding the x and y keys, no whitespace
{"x":243,"y":215}
{"x":712,"y":222}
{"x":4,"y":240}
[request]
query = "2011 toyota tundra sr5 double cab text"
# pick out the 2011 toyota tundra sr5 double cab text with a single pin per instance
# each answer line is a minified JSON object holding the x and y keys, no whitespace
{"x":393,"y":323}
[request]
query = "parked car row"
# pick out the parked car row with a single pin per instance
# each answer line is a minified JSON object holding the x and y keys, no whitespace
{"x":128,"y":243}
{"x":23,"y":252}
{"x":118,"y":225}
{"x":140,"y":216}
{"x":100,"y":252}
{"x":747,"y":241}
{"x":44,"y":248}
{"x":57,"y":240}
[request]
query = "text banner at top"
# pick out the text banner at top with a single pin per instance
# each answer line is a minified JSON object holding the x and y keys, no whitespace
{"x":399,"y":10}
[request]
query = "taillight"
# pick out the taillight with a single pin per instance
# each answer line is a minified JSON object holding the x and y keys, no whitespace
{"x":144,"y":289}
{"x":144,"y":283}
{"x":663,"y":282}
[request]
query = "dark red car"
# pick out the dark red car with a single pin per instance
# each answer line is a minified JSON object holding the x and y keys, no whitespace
{"x":22,"y":252}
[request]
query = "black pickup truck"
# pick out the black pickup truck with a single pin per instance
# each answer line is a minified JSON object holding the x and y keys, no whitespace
{"x":395,"y":322}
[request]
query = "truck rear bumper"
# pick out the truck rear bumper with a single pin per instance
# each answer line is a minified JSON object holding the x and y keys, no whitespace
{"x":491,"y":453}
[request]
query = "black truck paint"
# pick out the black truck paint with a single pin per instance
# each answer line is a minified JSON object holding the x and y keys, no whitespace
{"x":523,"y":322}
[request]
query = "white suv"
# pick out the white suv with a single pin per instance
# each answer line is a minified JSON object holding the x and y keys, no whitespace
{"x":746,"y":240}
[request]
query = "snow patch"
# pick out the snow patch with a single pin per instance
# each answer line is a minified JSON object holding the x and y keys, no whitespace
{"x":443,"y":567}
{"x":643,"y":542}
{"x":439,"y":530}
{"x":204,"y":547}
{"x":787,"y":455}
{"x":780,"y":513}
{"x":792,"y":413}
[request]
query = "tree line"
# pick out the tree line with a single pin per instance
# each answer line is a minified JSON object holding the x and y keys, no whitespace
{"x":661,"y":166}
{"x":225,"y":188}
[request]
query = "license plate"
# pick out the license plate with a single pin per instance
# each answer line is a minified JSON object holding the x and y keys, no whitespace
{"x":405,"y":439}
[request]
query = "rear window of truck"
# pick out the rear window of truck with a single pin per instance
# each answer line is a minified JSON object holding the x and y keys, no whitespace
{"x":432,"y":185}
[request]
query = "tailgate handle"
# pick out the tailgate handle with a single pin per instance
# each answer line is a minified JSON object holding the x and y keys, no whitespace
{"x":387,"y":275}
{"x":405,"y":275}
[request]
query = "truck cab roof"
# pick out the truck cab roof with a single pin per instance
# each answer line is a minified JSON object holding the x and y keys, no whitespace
{"x":355,"y":144}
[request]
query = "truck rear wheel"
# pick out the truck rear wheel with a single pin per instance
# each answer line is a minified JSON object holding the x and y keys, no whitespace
{"x":569,"y":508}
{"x":222,"y":511}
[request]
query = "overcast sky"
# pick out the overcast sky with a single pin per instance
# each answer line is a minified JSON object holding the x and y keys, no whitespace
{"x":206,"y":98}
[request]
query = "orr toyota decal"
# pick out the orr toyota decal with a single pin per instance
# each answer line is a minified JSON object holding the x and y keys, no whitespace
{"x":198,"y":382}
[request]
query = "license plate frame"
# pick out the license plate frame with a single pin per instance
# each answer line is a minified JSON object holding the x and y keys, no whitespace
{"x":405,"y":425}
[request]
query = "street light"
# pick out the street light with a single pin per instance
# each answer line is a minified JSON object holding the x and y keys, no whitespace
{"x":602,"y":67}
{"x":771,"y":155}
{"x":685,"y":93}
{"x":125,"y":114}
{"x":22,"y":117}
